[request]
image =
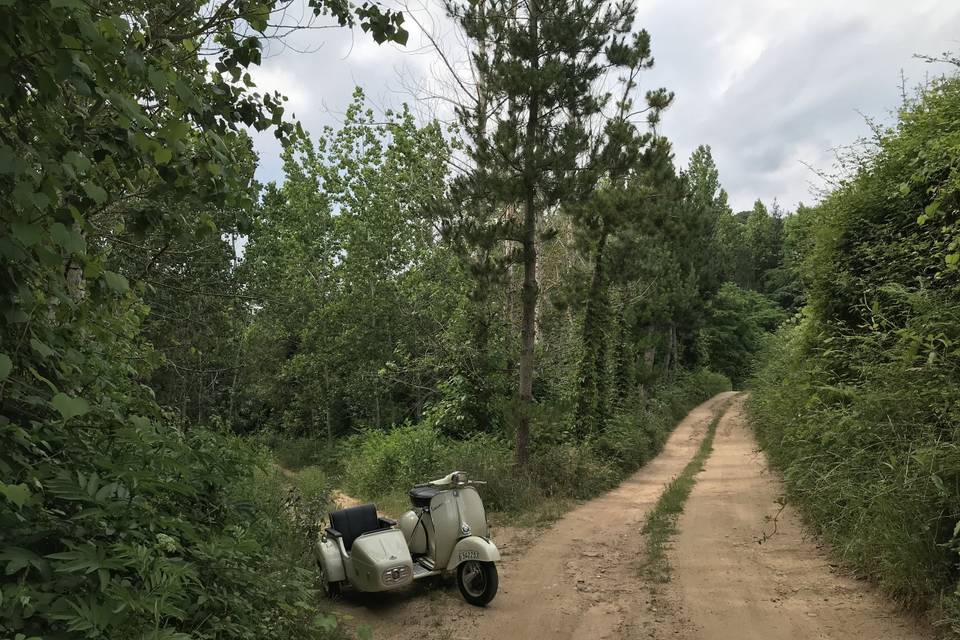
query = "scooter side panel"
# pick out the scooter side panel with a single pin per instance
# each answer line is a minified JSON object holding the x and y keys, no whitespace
{"x":445,"y":516}
{"x":329,"y":555}
{"x":473,"y":513}
{"x":373,"y":554}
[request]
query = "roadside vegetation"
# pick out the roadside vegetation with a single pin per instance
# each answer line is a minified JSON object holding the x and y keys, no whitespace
{"x":858,"y":399}
{"x":380,"y":466}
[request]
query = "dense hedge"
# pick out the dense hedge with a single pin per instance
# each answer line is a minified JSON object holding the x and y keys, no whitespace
{"x":859,"y":402}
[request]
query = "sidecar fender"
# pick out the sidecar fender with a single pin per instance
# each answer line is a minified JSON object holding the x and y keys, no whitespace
{"x":329,"y":555}
{"x":473,"y":548}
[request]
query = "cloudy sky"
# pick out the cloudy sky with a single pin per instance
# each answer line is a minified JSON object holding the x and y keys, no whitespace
{"x":773,"y":86}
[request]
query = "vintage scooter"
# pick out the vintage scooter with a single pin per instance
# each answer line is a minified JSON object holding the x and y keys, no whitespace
{"x":445,"y":531}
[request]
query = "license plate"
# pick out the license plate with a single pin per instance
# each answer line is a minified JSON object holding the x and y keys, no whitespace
{"x":469,"y":555}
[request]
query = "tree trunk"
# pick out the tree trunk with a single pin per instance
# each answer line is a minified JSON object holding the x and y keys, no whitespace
{"x":529,"y":297}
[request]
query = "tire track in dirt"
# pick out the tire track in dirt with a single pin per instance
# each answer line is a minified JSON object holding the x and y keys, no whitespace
{"x":578,"y":579}
{"x":728,"y":586}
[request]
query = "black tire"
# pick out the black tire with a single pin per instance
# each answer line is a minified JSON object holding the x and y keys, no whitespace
{"x":332,"y":590}
{"x":478,"y":582}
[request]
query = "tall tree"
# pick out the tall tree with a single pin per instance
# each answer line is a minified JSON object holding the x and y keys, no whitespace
{"x":536,"y":63}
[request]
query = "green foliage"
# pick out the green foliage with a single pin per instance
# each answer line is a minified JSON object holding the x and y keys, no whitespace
{"x":353,"y":290}
{"x":122,"y":125}
{"x":162,"y":531}
{"x":380,"y":463}
{"x":858,"y":403}
{"x":737,"y":321}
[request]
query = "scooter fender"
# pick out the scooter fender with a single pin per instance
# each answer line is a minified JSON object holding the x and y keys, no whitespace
{"x":328,"y":552}
{"x":473,"y":548}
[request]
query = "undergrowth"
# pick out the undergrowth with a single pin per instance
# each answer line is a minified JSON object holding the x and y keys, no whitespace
{"x":381,"y":465}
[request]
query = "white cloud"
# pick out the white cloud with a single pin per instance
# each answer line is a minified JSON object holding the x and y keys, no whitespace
{"x":771,"y":85}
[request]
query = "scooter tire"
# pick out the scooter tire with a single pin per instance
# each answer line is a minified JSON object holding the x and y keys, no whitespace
{"x":332,"y":590}
{"x":488,"y":581}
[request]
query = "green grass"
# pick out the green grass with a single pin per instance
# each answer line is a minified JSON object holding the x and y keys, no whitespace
{"x":661,"y":523}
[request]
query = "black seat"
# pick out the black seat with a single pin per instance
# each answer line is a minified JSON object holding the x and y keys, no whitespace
{"x":421,"y":496}
{"x":353,"y":522}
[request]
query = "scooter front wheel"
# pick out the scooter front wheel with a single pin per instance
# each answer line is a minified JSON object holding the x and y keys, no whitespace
{"x":478,"y":581}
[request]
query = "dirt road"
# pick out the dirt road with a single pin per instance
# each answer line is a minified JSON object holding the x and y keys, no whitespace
{"x":580,"y":579}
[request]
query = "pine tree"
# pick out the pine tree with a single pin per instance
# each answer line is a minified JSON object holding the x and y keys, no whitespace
{"x":537,"y":64}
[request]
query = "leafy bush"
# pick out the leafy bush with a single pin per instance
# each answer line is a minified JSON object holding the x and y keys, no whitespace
{"x":737,"y":320}
{"x":379,"y":463}
{"x":859,"y":403}
{"x":160,"y":534}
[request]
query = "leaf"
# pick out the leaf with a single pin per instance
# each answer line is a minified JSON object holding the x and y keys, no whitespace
{"x":25,"y":233}
{"x":162,"y":155}
{"x":70,"y":239}
{"x":15,"y":493}
{"x":95,"y":192}
{"x":77,"y":161}
{"x":116,"y":281}
{"x":6,"y":366}
{"x":8,"y":159}
{"x":70,"y":407}
{"x":19,"y":558}
{"x":41,"y":347}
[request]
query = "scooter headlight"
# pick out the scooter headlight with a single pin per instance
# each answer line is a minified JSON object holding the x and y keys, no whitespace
{"x":396,"y":575}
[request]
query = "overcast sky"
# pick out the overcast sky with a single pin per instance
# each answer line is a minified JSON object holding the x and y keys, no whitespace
{"x":771,"y":85}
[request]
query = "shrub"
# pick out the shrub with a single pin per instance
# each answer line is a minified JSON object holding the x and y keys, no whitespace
{"x":161,"y":534}
{"x":380,"y":463}
{"x":859,"y":403}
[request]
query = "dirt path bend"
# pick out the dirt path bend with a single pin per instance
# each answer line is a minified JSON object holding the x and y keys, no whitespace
{"x":577,"y":579}
{"x":726,"y":585}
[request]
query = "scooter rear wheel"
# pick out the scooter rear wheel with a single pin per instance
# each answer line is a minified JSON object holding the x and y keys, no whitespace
{"x":478,"y":581}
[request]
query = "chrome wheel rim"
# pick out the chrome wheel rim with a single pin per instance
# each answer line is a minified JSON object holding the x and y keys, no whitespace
{"x":474,"y":579}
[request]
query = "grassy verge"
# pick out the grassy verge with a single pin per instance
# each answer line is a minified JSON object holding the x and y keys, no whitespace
{"x":661,"y":523}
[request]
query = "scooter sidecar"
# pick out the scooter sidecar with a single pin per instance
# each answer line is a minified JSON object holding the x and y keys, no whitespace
{"x":366,"y":551}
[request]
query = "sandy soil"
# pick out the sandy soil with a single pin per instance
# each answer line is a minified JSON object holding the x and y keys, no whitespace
{"x":580,"y":579}
{"x":734,"y":578}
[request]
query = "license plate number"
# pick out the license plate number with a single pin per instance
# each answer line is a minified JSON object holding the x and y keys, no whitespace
{"x":469,"y":555}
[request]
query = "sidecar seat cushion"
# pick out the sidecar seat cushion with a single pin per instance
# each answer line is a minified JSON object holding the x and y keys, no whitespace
{"x":354,"y":522}
{"x":421,"y":496}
